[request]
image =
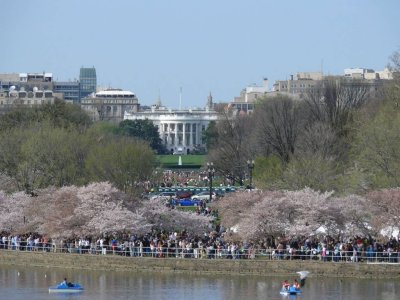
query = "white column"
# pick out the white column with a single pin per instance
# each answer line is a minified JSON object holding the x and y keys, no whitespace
{"x":176,"y":134}
{"x":191,"y":134}
{"x":168,"y":134}
{"x":195,"y":134}
{"x":184,"y":134}
{"x":161,"y":131}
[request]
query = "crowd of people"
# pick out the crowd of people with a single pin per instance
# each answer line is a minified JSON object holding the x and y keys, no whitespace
{"x":215,"y":244}
{"x":212,"y":245}
{"x":181,"y":178}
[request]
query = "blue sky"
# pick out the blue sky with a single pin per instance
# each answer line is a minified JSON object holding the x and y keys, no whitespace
{"x":156,"y":47}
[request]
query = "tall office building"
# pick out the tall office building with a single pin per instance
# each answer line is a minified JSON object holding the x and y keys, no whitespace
{"x":88,"y":81}
{"x":70,"y":90}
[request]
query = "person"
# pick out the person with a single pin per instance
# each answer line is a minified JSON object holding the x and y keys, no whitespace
{"x":66,"y":283}
{"x":285,"y":285}
{"x":296,"y":284}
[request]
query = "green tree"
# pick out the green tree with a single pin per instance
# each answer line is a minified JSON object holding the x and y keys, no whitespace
{"x":60,"y":114}
{"x":377,"y":147}
{"x":48,"y":154}
{"x":12,"y":156}
{"x":144,"y":130}
{"x":268,"y":171}
{"x":43,"y":155}
{"x":315,"y":172}
{"x":210,"y":135}
{"x":123,"y":161}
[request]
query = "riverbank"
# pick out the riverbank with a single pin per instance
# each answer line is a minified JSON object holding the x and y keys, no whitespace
{"x":198,"y":266}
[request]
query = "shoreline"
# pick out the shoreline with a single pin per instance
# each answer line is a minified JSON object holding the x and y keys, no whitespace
{"x":238,"y":267}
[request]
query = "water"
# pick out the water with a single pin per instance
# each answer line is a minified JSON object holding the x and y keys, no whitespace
{"x":33,"y":283}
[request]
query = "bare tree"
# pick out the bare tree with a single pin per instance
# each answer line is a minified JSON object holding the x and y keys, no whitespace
{"x":231,"y":152}
{"x":335,"y":101}
{"x":319,"y":138}
{"x":277,"y":126}
{"x":392,"y":91}
{"x":394,"y":64}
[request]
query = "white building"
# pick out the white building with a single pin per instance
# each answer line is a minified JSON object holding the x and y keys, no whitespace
{"x":369,"y":74}
{"x":248,"y":96}
{"x":110,"y":105}
{"x":181,"y":130}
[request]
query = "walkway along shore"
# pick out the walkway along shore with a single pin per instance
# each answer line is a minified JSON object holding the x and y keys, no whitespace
{"x":234,"y":267}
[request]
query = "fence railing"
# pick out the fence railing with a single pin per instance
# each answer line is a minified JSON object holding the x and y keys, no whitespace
{"x":364,"y":256}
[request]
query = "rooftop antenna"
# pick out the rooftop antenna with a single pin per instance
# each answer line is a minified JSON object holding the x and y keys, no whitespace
{"x":180,"y":98}
{"x":158,"y":103}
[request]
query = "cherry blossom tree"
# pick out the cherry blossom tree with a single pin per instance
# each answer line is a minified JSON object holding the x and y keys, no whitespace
{"x":13,"y":211}
{"x":169,"y":219}
{"x":387,"y":205}
{"x":98,"y":209}
{"x":255,"y":216}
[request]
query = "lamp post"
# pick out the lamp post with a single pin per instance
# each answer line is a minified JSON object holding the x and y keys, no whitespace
{"x":250,"y":165}
{"x":211,"y":172}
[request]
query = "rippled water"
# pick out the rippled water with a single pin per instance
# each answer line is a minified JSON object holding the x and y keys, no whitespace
{"x":32,"y":283}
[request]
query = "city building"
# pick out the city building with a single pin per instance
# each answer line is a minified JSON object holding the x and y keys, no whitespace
{"x":26,"y":89}
{"x":368,"y":74}
{"x":297,"y":87}
{"x":110,"y":105}
{"x":70,"y":90}
{"x":73,"y":91}
{"x":248,"y":96}
{"x":8,"y":80}
{"x":88,"y":81}
{"x":181,"y":130}
{"x":27,"y":81}
{"x":14,"y":98}
{"x":306,"y":81}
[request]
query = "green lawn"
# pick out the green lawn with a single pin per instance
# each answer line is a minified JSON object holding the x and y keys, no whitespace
{"x":188,"y":161}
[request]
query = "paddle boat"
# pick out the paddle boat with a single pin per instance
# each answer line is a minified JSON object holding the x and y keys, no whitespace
{"x":66,"y":288}
{"x":294,"y":289}
{"x":290,"y":291}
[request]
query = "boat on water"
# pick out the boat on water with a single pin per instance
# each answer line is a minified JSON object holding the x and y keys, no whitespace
{"x":64,"y":288}
{"x":290,"y":291}
{"x":294,"y":289}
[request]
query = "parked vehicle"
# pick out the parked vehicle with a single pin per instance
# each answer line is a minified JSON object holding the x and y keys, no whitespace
{"x":183,"y":194}
{"x":164,"y":196}
{"x":204,"y":196}
{"x":186,"y":202}
{"x":148,"y":196}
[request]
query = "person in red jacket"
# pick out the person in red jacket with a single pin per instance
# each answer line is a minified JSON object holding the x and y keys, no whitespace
{"x":286,"y":285}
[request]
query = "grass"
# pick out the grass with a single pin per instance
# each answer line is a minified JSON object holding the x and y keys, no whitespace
{"x":188,"y":161}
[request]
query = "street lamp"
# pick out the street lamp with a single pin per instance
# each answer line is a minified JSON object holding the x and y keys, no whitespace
{"x":250,"y":165}
{"x":211,"y":172}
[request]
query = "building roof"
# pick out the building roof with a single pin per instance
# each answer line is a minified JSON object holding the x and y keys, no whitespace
{"x":87,"y":73}
{"x":115,"y":93}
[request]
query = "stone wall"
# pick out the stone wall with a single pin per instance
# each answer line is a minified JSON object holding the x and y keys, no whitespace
{"x":203,"y":266}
